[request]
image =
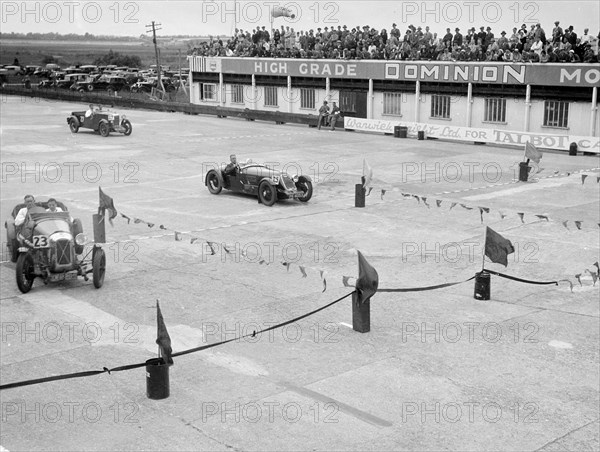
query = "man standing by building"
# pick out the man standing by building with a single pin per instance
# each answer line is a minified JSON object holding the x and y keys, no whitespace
{"x":323,"y":114}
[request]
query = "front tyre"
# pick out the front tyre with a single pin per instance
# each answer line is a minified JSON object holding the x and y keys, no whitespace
{"x":267,"y":193}
{"x":213,"y":182}
{"x":127,"y":126}
{"x":25,"y":272}
{"x":306,"y":186}
{"x":104,"y":129}
{"x":98,"y":267}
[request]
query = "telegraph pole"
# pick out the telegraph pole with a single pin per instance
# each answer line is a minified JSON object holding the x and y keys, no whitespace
{"x":158,"y":67}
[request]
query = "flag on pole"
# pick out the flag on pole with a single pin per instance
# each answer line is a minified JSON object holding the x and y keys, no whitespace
{"x":533,"y":153}
{"x":367,"y":174}
{"x":162,"y":337}
{"x":368,"y":280}
{"x":106,"y":202}
{"x":497,"y":248}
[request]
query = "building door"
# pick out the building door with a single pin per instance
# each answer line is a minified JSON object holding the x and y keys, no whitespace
{"x":353,"y":103}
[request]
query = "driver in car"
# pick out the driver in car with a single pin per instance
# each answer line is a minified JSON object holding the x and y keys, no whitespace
{"x":23,"y":219}
{"x":53,"y":206}
{"x":232,"y":167}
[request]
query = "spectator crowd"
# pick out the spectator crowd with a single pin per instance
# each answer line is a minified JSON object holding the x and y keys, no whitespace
{"x":361,"y":43}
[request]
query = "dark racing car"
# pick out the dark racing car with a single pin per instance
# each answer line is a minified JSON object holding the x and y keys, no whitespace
{"x":52,"y":247}
{"x":259,"y":180}
{"x":101,"y":120}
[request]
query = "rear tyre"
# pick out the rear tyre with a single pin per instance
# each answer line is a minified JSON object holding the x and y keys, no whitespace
{"x":25,"y":272}
{"x":98,"y":267}
{"x":213,"y":182}
{"x":267,"y":193}
{"x":74,"y":125}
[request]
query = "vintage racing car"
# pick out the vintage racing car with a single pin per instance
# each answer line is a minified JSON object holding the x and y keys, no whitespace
{"x":259,"y":180}
{"x":51,"y":247}
{"x":100,"y":120}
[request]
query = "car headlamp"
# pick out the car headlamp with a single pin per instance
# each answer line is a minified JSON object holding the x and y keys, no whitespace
{"x":111,"y":117}
{"x":80,"y":239}
{"x":276,"y":179}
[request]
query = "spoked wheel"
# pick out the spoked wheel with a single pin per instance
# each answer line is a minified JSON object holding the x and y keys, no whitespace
{"x":306,"y":186}
{"x":98,"y":267}
{"x":127,"y":126}
{"x":25,"y":272}
{"x":74,"y":125}
{"x":104,"y":129}
{"x":213,"y":182}
{"x":267,"y":193}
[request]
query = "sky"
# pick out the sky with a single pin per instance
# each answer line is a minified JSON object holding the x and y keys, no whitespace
{"x":202,"y":18}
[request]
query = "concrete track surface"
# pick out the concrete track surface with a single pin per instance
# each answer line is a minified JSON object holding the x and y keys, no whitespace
{"x":439,"y":370}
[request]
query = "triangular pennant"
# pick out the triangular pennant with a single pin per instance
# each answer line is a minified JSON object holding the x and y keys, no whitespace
{"x":464,"y":206}
{"x":137,"y":220}
{"x":593,"y":275}
{"x":583,"y":178}
{"x":502,"y":216}
{"x":597,"y":266}
{"x":162,"y":337}
{"x":417,"y":198}
{"x":162,"y":226}
{"x":106,"y":203}
{"x":346,"y":281}
{"x":521,"y":215}
{"x":226,"y":249}
{"x":287,"y":264}
{"x":568,"y":174}
{"x":177,"y":236}
{"x":564,"y":223}
{"x":438,"y":202}
{"x":150,"y":225}
{"x":481,"y":210}
{"x":193,"y":240}
{"x":212,"y":250}
{"x":578,"y":277}
{"x":497,"y":248}
{"x":382,"y":193}
{"x":543,"y":217}
{"x":369,"y":192}
{"x":126,"y":217}
{"x":262,"y":261}
{"x":578,"y":224}
{"x":597,"y":179}
{"x":367,"y":175}
{"x":425,"y":201}
{"x":303,"y":271}
{"x":452,"y":206}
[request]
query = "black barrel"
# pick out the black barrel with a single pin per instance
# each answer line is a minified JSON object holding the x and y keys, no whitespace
{"x":157,"y":379}
{"x":421,"y":135}
{"x":482,"y":286}
{"x":402,"y":132}
{"x":396,"y":131}
{"x":523,"y":171}
{"x":573,"y":149}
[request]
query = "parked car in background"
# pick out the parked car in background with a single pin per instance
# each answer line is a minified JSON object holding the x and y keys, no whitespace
{"x":69,"y":79}
{"x":13,"y":70}
{"x":110,"y":84}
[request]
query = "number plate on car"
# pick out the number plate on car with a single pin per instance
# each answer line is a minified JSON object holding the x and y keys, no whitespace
{"x":63,"y":276}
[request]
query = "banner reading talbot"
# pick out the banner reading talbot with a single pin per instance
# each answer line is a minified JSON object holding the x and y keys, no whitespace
{"x":507,"y":137}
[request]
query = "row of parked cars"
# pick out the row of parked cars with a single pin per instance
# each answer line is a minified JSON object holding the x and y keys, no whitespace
{"x":109,"y":78}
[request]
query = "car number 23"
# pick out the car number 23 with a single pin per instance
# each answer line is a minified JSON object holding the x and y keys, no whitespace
{"x":40,"y":241}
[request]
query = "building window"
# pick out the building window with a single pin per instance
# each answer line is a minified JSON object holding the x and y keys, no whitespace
{"x":209,"y":91}
{"x":495,"y":110}
{"x":270,"y":96}
{"x":392,"y":103}
{"x":307,"y":98}
{"x":237,"y":94}
{"x":556,"y":114}
{"x":440,"y":106}
{"x":348,"y":101}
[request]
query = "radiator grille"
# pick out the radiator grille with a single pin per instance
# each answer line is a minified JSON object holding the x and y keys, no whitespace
{"x":63,"y":252}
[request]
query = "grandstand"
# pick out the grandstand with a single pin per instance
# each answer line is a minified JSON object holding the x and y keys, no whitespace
{"x":551,"y":104}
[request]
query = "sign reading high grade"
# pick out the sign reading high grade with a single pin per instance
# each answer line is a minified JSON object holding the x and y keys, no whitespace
{"x":546,"y":74}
